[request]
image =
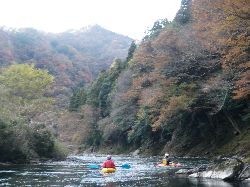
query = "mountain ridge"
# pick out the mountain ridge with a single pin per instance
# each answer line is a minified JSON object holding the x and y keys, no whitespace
{"x":73,"y":58}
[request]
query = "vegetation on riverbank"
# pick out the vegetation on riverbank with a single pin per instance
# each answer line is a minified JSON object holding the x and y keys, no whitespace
{"x":24,"y":94}
{"x":184,"y":89}
{"x":237,"y":145}
{"x":38,"y":72}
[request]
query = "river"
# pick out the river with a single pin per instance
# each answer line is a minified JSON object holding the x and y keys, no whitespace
{"x":75,"y":172}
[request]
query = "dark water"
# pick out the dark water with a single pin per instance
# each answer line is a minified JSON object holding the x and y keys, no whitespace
{"x":74,"y":172}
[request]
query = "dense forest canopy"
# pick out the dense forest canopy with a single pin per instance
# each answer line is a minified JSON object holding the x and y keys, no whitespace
{"x":24,"y":95}
{"x":184,"y":88}
{"x":73,"y":57}
{"x":38,"y":74}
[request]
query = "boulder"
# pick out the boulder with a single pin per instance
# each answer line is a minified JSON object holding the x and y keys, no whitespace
{"x":185,"y":171}
{"x":245,"y":174}
{"x":229,"y":170}
{"x":136,"y":152}
{"x":182,"y":171}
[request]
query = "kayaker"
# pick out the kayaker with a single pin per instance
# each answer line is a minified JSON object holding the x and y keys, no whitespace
{"x":166,"y":161}
{"x":108,"y":163}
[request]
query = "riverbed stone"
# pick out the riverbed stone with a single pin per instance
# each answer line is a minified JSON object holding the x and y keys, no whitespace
{"x":182,"y":171}
{"x":229,"y":170}
{"x":136,"y":152}
{"x":189,"y":171}
{"x":5,"y":164}
{"x":245,"y":174}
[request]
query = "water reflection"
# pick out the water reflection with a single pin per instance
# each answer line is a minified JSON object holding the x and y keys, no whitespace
{"x":74,"y":172}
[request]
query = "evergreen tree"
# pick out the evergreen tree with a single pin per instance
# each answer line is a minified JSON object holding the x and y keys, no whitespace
{"x":78,"y":99}
{"x":184,"y":15}
{"x":131,"y":51}
{"x":158,"y":26}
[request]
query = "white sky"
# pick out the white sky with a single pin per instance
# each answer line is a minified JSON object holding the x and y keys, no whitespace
{"x":127,"y":17}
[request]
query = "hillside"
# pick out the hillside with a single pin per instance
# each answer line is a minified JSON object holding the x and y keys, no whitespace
{"x":38,"y":74}
{"x":73,"y":57}
{"x":184,"y":89}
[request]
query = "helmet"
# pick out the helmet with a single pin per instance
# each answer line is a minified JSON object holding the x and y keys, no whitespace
{"x":109,"y":157}
{"x":166,"y":154}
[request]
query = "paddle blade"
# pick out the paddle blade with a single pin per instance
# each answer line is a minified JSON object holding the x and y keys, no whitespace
{"x":126,"y":166}
{"x":94,"y":166}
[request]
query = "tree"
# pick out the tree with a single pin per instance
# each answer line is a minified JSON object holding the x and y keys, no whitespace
{"x":131,"y":51}
{"x":78,"y":99}
{"x":184,"y":15}
{"x":158,"y":26}
{"x":24,"y":90}
{"x":141,"y":131}
{"x":227,"y":24}
{"x":236,"y":45}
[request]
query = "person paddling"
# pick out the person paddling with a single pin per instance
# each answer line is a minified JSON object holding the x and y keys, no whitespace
{"x":166,"y":160}
{"x":108,"y":163}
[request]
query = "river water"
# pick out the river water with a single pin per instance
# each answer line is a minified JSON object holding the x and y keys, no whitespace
{"x":75,"y":172}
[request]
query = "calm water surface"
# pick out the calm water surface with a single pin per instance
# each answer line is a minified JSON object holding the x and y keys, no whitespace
{"x":74,"y":172}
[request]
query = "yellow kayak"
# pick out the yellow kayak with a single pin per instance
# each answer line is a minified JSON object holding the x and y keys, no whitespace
{"x":170,"y":165}
{"x":108,"y":170}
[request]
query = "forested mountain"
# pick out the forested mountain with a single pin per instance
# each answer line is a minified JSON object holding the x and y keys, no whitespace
{"x":184,"y":89}
{"x":73,"y":57}
{"x":38,"y":73}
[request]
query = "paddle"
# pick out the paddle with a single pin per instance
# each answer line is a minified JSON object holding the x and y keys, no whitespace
{"x":95,"y":166}
{"x":125,"y":166}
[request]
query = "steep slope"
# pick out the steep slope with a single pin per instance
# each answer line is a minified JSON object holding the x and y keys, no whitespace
{"x":185,"y":91}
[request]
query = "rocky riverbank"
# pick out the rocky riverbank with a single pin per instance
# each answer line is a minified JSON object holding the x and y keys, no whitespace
{"x":230,"y":170}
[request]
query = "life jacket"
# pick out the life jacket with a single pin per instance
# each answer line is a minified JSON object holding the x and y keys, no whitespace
{"x":108,"y":164}
{"x":166,"y":161}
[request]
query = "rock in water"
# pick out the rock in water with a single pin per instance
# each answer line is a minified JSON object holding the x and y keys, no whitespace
{"x":245,"y":174}
{"x":229,"y":170}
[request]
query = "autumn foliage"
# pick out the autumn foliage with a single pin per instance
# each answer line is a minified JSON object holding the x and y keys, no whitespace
{"x":184,"y":88}
{"x":187,"y":81}
{"x":228,"y":21}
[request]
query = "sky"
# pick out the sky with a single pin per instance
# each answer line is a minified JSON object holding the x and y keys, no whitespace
{"x":128,"y":17}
